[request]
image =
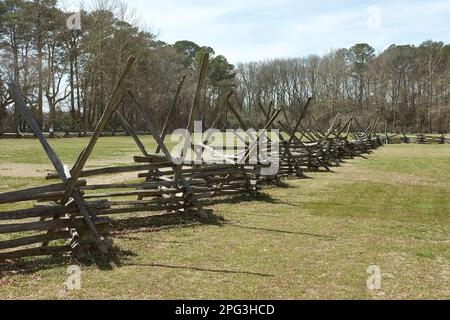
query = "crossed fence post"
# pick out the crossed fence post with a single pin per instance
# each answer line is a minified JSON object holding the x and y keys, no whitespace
{"x":71,"y":180}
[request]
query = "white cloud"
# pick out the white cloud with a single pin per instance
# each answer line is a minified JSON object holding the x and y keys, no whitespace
{"x":245,"y":30}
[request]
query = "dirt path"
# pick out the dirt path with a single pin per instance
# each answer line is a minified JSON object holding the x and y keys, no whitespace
{"x":23,"y":170}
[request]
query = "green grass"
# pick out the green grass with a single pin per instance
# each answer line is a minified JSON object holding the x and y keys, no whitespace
{"x":311,"y":239}
{"x":29,"y":151}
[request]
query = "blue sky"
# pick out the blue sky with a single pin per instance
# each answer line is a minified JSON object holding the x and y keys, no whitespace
{"x":248,"y":30}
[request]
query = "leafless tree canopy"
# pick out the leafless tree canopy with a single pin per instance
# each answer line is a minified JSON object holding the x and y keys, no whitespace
{"x":405,"y":86}
{"x":66,"y":76}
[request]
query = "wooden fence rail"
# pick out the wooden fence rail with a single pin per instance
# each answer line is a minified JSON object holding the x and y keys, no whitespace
{"x":73,"y":216}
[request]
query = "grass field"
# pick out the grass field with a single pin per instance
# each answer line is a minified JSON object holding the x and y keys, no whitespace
{"x":310,"y":239}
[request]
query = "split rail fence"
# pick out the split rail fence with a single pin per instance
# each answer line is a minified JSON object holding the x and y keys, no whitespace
{"x":74,"y":214}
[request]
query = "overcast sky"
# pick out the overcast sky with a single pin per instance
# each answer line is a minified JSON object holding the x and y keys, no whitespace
{"x":247,"y":30}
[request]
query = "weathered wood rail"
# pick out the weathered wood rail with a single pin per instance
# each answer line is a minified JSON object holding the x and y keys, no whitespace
{"x":74,"y":225}
{"x":73,"y":215}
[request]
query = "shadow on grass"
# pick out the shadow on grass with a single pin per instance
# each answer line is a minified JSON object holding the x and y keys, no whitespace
{"x":162,"y":222}
{"x":276,"y":184}
{"x":283,"y":185}
{"x":26,"y":266}
{"x":32,"y":265}
{"x":328,"y":204}
{"x":247,"y":198}
{"x":159,"y":265}
{"x":326,"y":237}
{"x":118,"y":256}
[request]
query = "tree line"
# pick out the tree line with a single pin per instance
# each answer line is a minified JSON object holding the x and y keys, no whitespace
{"x":66,"y":76}
{"x":406,"y":87}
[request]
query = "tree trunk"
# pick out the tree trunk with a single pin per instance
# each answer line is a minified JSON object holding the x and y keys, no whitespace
{"x":40,"y":115}
{"x":77,"y":85}
{"x":72,"y":94}
{"x":15,"y":50}
{"x":52,"y":113}
{"x":2,"y":113}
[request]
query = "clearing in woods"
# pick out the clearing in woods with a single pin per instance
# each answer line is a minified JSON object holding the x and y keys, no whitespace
{"x":312,"y":238}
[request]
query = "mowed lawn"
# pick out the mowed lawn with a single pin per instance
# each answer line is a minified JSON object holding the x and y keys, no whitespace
{"x":309,"y":239}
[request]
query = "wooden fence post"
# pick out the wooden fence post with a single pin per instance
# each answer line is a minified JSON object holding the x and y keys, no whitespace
{"x":59,"y":167}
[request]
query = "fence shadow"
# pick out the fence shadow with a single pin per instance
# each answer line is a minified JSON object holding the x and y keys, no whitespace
{"x":155,"y":223}
{"x":242,"y":198}
{"x":120,"y":227}
{"x":315,"y":235}
{"x":192,"y":268}
{"x":28,"y":266}
{"x":25,"y":266}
